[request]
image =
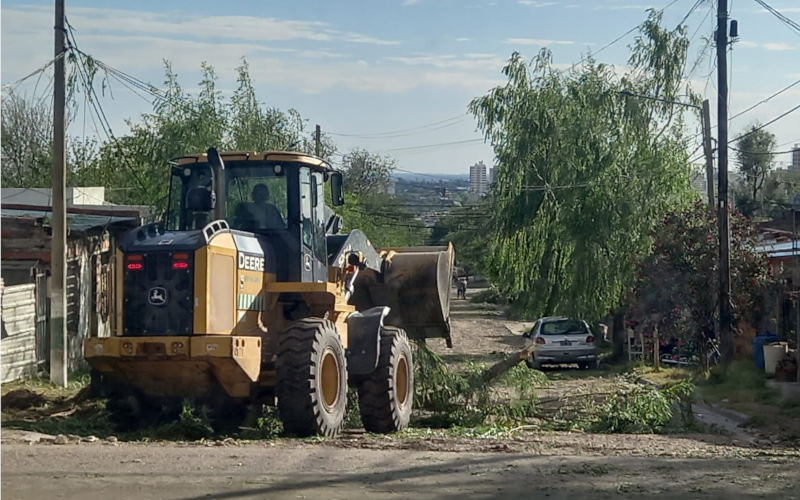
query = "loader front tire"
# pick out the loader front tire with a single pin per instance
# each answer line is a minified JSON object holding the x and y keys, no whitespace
{"x":311,"y":378}
{"x":385,"y":397}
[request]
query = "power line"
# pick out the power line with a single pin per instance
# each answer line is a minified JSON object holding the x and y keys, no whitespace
{"x":448,"y":122}
{"x":759,"y":103}
{"x":766,"y":99}
{"x":766,"y":124}
{"x":97,"y":107}
{"x":706,"y":46}
{"x":783,"y":18}
{"x":761,"y":152}
{"x":16,"y":83}
{"x":688,"y":14}
{"x":612,"y":42}
{"x":427,"y":146}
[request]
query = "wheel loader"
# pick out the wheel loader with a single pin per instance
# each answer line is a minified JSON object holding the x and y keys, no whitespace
{"x":249,"y":293}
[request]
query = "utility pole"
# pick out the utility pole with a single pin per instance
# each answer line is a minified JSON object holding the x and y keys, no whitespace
{"x":709,"y":153}
{"x":317,"y":142}
{"x":725,"y":331}
{"x":59,"y":350}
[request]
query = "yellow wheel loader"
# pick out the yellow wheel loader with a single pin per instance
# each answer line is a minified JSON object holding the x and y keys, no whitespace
{"x":248,"y":293}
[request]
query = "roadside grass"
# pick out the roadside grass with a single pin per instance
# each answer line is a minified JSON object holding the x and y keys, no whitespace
{"x":665,"y":375}
{"x":742,"y":384}
{"x":744,"y":389}
{"x":41,"y":385}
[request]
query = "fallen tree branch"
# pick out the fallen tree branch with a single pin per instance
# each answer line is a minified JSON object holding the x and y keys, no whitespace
{"x":504,"y":365}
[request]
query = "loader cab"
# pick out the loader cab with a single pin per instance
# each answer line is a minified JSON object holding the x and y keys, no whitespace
{"x":278,"y":198}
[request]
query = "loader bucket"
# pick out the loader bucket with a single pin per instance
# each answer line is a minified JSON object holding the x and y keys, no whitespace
{"x":415,"y":284}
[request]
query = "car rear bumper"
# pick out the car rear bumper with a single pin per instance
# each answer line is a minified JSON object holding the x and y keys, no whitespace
{"x":565,"y":356}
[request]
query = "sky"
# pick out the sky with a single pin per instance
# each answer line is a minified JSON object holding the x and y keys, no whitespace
{"x":396,"y":76}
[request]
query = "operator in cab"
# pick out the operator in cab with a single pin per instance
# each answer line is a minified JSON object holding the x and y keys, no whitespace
{"x":260,"y":214}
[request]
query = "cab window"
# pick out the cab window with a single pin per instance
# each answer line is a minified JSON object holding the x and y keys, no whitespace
{"x":256,"y":198}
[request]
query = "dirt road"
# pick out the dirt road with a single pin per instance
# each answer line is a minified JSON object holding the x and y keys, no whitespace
{"x":421,"y":464}
{"x":299,"y":470}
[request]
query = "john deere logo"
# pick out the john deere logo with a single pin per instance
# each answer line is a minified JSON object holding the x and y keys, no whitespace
{"x":157,"y":296}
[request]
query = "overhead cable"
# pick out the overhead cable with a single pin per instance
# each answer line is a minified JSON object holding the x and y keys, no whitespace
{"x":15,"y":83}
{"x":783,"y":18}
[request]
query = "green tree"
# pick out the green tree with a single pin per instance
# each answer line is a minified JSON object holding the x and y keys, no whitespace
{"x":677,"y":282}
{"x":754,"y":155}
{"x":183,"y":123}
{"x":584,"y":173}
{"x":253,"y":127}
{"x":367,"y":174}
{"x":27,"y":142}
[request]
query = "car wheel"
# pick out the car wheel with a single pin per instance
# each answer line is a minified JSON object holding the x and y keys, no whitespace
{"x":583,"y":365}
{"x":532,"y":363}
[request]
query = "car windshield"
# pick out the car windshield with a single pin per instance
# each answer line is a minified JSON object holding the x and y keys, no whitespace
{"x":563,"y":327}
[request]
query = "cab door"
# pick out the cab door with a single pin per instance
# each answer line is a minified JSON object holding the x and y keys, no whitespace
{"x":313,"y":254}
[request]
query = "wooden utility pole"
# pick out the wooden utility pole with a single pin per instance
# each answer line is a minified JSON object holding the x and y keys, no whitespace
{"x":725,"y":330}
{"x":59,"y":347}
{"x":317,"y":142}
{"x":709,"y":153}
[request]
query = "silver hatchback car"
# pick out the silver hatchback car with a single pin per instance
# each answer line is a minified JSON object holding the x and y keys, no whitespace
{"x":561,"y":340}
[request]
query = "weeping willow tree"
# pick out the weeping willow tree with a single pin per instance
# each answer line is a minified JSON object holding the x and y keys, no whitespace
{"x":586,"y":168}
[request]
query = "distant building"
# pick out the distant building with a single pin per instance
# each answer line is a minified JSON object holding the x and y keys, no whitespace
{"x":477,"y":178}
{"x":492,"y":175}
{"x":796,"y":157}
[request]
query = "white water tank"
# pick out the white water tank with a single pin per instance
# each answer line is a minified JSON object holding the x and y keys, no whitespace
{"x":773,"y":353}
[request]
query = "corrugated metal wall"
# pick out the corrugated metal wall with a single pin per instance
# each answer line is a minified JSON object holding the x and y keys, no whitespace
{"x":18,"y":344}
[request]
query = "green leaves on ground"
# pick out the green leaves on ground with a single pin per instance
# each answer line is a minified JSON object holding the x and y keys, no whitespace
{"x":444,"y":398}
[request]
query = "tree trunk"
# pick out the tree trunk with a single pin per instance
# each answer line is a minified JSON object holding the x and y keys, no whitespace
{"x":618,"y":334}
{"x":505,"y":364}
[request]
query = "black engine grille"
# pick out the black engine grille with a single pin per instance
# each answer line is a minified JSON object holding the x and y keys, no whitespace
{"x":158,"y":299}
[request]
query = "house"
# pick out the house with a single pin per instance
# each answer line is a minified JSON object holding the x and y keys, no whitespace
{"x":92,"y":234}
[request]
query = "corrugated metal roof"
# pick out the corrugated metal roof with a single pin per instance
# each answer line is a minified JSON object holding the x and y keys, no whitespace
{"x":75,"y":222}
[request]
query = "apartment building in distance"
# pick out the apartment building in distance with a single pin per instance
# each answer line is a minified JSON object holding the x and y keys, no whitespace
{"x":477,"y":178}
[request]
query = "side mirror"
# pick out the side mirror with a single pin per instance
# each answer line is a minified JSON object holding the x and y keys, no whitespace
{"x":337,"y":197}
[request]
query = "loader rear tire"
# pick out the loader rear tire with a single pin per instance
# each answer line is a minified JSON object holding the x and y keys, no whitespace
{"x":311,"y":378}
{"x":386,"y":396}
